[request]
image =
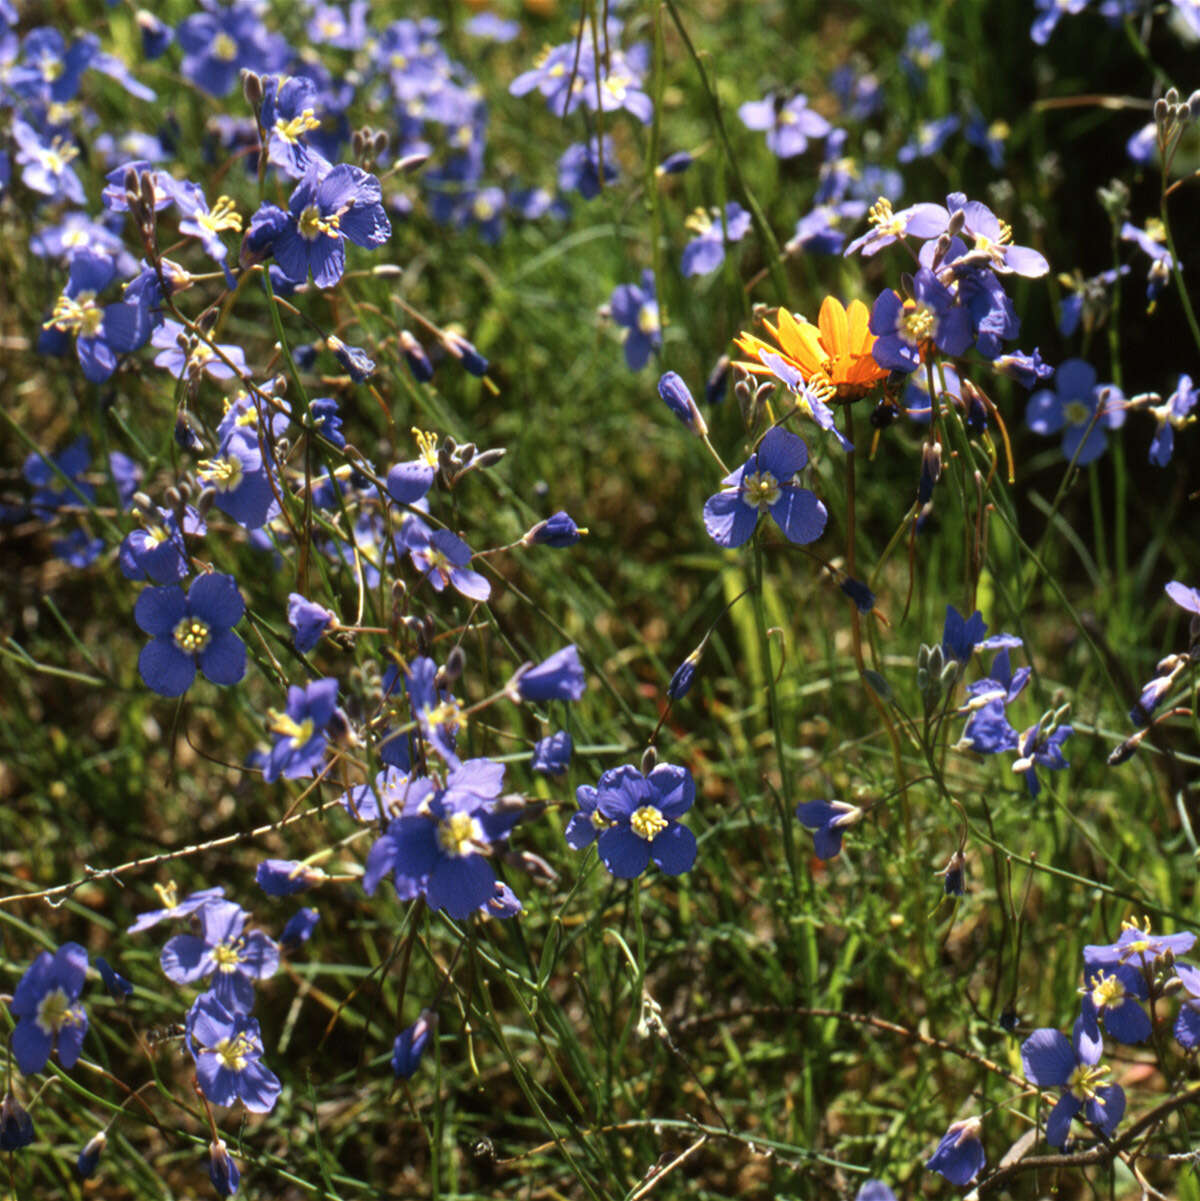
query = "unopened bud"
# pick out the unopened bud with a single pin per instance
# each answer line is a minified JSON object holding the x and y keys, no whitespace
{"x":252,"y":88}
{"x":649,"y":760}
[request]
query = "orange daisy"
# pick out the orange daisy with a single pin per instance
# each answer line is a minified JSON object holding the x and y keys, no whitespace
{"x":835,"y":352}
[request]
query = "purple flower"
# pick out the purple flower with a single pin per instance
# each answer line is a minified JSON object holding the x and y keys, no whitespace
{"x":442,"y":558}
{"x":200,"y":221}
{"x":642,"y":815}
{"x":887,"y":226}
{"x":1187,"y":1022}
{"x":552,"y":755}
{"x":584,"y":827}
{"x":410,"y":1044}
{"x":1052,"y":1061}
{"x":905,"y":328}
{"x":930,"y":137}
{"x":440,"y":848}
{"x":1185,"y":597}
{"x":89,"y":1158}
{"x":1170,"y":416}
{"x":1152,"y":242}
{"x":299,"y":928}
{"x":558,"y":678}
{"x":222,"y":1169}
{"x":827,"y":820}
{"x":588,"y":167}
{"x":409,"y":481}
{"x":46,"y":1004}
{"x":765,"y":484}
{"x":227,"y":1047}
{"x":959,"y":1156}
{"x":1138,"y":947}
{"x":1026,"y":369}
{"x":706,"y":251}
{"x":788,"y":124}
{"x":286,"y":877}
{"x":636,"y":309}
{"x":992,"y":240}
{"x":300,"y":731}
{"x":288,"y":116}
{"x":558,"y":530}
{"x":16,"y":1126}
{"x":233,"y":959}
{"x":678,"y":399}
{"x":1079,"y":408}
{"x":114,"y":983}
{"x":157,"y":553}
{"x":327,"y":207}
{"x":1048,"y":14}
{"x":173,"y":907}
{"x":188,"y":357}
{"x":191,"y":630}
{"x":1038,"y":749}
{"x":1114,"y":994}
{"x":308,"y":621}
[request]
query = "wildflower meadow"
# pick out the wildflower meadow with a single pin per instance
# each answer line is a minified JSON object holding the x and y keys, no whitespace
{"x":599,"y":600}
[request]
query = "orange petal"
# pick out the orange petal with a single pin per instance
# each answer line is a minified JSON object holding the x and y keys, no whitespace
{"x":801,"y":341}
{"x":832,"y":322}
{"x":858,"y":319}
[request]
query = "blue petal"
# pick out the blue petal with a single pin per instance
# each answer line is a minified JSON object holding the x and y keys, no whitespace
{"x":674,"y":850}
{"x":799,"y":515}
{"x":223,"y":661}
{"x":215,"y":599}
{"x":165,"y":668}
{"x":623,"y":852}
{"x":159,"y":610}
{"x":1059,"y":1122}
{"x":1048,"y":1058}
{"x":460,"y":886}
{"x":728,"y":521}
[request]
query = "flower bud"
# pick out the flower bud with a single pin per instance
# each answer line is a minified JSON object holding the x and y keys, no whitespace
{"x":89,"y":1157}
{"x":679,"y":400}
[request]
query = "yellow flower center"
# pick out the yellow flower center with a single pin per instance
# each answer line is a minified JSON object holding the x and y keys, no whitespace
{"x":224,"y":474}
{"x":223,"y":215}
{"x":1085,"y":1080}
{"x":192,"y":636}
{"x":647,"y":822}
{"x":700,"y":221}
{"x":168,"y":894}
{"x":458,"y":834}
{"x":1109,"y":991}
{"x":234,"y":1052}
{"x":760,"y":489}
{"x":647,"y":318}
{"x":882,"y":216}
{"x":293,"y":130}
{"x":917,"y":322}
{"x":310,"y":224}
{"x":426,"y":446}
{"x":446,"y":714}
{"x":224,"y":48}
{"x":54,"y":1011}
{"x":483,"y":209}
{"x":79,"y":315}
{"x":287,"y":726}
{"x":227,"y":955}
{"x":1076,"y":412}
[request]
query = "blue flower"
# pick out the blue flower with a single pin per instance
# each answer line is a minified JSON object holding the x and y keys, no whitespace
{"x":189,"y":357}
{"x":300,"y":731}
{"x":930,"y":137}
{"x":191,"y":630}
{"x":906,"y":328}
{"x":1079,"y":408}
{"x":1152,"y":242}
{"x":558,"y":678}
{"x":1138,"y":947}
{"x":16,"y":1126}
{"x":1048,"y":14}
{"x":440,"y":847}
{"x":1052,"y":1061}
{"x":46,"y":1004}
{"x":299,"y":928}
{"x":706,"y":251}
{"x":407,"y":482}
{"x":115,"y":984}
{"x":1186,"y":598}
{"x":788,"y":123}
{"x":286,"y":877}
{"x":684,"y":675}
{"x":1172,"y":415}
{"x":558,"y":530}
{"x":1037,"y":749}
{"x":288,"y":115}
{"x":635,"y":308}
{"x":1187,"y":1021}
{"x":584,"y":827}
{"x":157,"y":553}
{"x":173,"y":907}
{"x":1026,"y":369}
{"x":827,"y":820}
{"x":1114,"y":994}
{"x":588,"y":168}
{"x":765,"y":483}
{"x":410,"y":1044}
{"x":308,"y":621}
{"x":219,"y":43}
{"x":643,"y":815}
{"x":552,"y":755}
{"x":233,"y":959}
{"x":959,"y":1156}
{"x":227,"y":1047}
{"x":222,"y":1169}
{"x":89,"y":1157}
{"x":679,"y":400}
{"x":326,"y":208}
{"x":442,"y":558}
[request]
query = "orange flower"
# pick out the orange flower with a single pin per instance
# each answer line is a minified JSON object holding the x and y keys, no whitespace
{"x":835,"y":352}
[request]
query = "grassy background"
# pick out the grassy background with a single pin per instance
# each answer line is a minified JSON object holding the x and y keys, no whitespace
{"x":540,"y":1084}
